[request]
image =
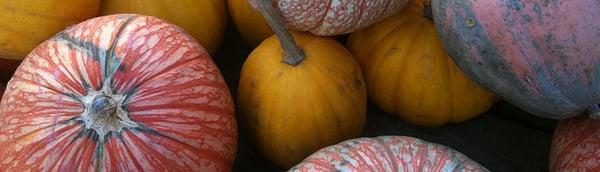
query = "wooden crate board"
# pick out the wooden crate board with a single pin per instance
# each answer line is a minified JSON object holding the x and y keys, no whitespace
{"x":503,"y":139}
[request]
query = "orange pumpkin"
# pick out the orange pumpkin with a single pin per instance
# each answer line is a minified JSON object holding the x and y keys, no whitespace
{"x":250,"y":23}
{"x":409,"y":73}
{"x":205,"y":20}
{"x":24,"y":24}
{"x":298,"y":98}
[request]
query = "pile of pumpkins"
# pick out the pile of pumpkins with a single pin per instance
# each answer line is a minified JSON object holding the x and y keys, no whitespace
{"x":129,"y":85}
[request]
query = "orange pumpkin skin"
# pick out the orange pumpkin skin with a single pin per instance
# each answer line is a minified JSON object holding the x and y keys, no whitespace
{"x":118,"y":93}
{"x":205,"y":20}
{"x":409,"y":73}
{"x":250,"y":23}
{"x":292,"y":111}
{"x":24,"y":24}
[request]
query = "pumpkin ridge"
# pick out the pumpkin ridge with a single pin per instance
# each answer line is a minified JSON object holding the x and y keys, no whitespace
{"x":131,"y":156}
{"x":25,"y":80}
{"x":372,"y":73}
{"x":331,"y":106}
{"x":388,"y":152}
{"x":91,"y":49}
{"x":57,"y":162}
{"x":134,"y":89}
{"x":109,"y":72}
{"x":403,"y":62}
{"x":449,"y":82}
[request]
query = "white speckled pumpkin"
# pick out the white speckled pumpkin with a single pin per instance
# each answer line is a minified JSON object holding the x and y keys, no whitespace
{"x":118,"y":93}
{"x":388,"y":153}
{"x":333,"y":17}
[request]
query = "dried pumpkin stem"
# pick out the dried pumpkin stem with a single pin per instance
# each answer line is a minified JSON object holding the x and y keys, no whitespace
{"x":293,"y":55}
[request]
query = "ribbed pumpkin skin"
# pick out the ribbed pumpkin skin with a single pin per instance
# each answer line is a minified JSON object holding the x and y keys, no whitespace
{"x":24,"y":24}
{"x":250,"y":23}
{"x":408,"y":72}
{"x":205,"y":20}
{"x":543,"y":56}
{"x":576,"y":145}
{"x":292,"y":111}
{"x":334,"y":17}
{"x":175,"y":97}
{"x":388,"y":153}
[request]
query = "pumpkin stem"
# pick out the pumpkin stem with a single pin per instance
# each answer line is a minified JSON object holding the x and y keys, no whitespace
{"x":104,"y":106}
{"x":293,"y":55}
{"x":594,"y":111}
{"x":427,"y":11}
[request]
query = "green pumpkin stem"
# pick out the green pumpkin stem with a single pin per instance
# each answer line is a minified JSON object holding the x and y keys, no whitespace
{"x":293,"y":55}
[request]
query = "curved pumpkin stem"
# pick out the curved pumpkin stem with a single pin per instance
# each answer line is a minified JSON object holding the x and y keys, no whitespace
{"x":293,"y":55}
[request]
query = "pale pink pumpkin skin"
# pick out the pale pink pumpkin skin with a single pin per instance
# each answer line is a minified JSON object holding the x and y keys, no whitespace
{"x":334,"y":17}
{"x":387,"y":153}
{"x":576,"y":145}
{"x":181,"y":110}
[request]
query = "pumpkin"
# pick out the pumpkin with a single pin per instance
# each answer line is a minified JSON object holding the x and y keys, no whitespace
{"x":388,"y":153}
{"x":205,"y":20}
{"x":249,"y":22}
{"x":334,"y":17}
{"x":298,"y":97}
{"x":542,"y":56}
{"x":409,"y":73}
{"x":26,"y":23}
{"x":118,"y":93}
{"x":575,"y":145}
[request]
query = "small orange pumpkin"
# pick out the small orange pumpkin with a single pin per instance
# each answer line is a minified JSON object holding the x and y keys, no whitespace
{"x":302,"y":97}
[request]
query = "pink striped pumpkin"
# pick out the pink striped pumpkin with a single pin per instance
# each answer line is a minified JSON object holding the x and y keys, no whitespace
{"x":387,"y":153}
{"x":118,"y":93}
{"x":333,"y":17}
{"x":576,"y":145}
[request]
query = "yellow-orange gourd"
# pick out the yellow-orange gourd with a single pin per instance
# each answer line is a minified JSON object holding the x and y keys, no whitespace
{"x":205,"y":20}
{"x":250,"y":23}
{"x":409,"y":73}
{"x":26,"y":23}
{"x":292,"y":111}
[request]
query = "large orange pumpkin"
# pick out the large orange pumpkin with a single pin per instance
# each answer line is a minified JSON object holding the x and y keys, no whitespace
{"x":118,"y":93}
{"x":409,"y":73}
{"x":302,"y":97}
{"x":26,"y":23}
{"x":205,"y":20}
